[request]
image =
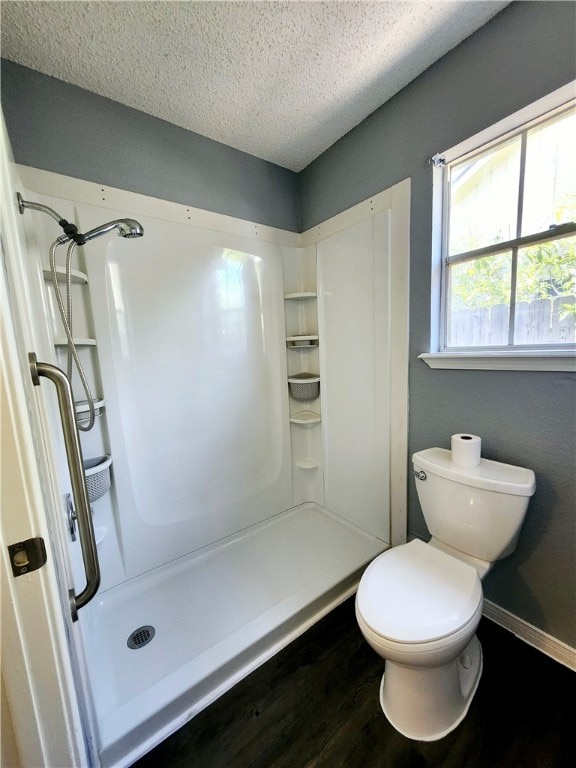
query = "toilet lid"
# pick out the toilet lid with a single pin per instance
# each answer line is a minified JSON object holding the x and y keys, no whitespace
{"x":415,"y":593}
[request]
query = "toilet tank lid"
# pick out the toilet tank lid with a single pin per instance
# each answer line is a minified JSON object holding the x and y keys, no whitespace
{"x":488,"y":475}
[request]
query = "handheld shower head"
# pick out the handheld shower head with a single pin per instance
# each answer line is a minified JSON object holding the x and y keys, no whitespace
{"x":125,"y":227}
{"x":130,"y":228}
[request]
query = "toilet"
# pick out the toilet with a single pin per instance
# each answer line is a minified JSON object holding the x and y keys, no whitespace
{"x":418,"y":605}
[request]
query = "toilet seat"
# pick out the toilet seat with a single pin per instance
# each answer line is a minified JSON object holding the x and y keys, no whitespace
{"x":415,"y":593}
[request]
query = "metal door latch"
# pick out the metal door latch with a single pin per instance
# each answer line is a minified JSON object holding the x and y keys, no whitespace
{"x":26,"y":556}
{"x":71,"y":516}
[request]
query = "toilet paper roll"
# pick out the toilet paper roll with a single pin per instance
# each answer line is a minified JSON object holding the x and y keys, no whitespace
{"x":466,"y":450}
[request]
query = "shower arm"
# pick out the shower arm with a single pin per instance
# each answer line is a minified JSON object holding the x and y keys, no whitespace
{"x":70,"y":230}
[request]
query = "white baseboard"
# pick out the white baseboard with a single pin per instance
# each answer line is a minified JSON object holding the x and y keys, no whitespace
{"x":532,"y":635}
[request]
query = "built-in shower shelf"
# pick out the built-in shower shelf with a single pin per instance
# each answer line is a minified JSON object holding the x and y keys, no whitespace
{"x":75,"y":275}
{"x":62,"y":341}
{"x":305,"y":417}
{"x":308,"y":378}
{"x":82,"y":406}
{"x":300,"y":296}
{"x":301,"y":342}
{"x":304,"y":386}
{"x":308,"y":463}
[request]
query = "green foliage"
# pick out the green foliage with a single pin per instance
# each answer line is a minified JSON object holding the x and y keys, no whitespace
{"x":548,"y":269}
{"x":545,"y":270}
{"x":479,"y":283}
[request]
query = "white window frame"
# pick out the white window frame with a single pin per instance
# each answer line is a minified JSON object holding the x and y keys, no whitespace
{"x":539,"y":359}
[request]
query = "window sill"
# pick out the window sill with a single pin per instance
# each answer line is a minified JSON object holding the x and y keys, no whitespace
{"x":502,"y":361}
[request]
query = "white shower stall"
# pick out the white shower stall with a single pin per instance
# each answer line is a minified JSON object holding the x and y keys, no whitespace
{"x":251,"y":393}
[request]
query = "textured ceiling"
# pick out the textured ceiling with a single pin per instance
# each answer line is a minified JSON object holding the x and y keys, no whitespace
{"x":279,"y":80}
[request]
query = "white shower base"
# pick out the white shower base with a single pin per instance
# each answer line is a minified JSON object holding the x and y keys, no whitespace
{"x":218,"y":614}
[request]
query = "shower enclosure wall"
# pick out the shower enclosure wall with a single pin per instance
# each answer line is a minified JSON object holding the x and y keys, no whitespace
{"x":251,"y":393}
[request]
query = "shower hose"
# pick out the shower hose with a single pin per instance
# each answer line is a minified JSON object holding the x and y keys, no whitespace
{"x":66,"y":317}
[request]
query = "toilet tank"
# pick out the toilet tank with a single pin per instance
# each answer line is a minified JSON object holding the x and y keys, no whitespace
{"x":476,"y":510}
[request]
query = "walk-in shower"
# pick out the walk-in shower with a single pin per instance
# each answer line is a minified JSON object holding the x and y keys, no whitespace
{"x":236,"y":515}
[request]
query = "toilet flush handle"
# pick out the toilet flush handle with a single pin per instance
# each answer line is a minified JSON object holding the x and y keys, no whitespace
{"x":421,"y":475}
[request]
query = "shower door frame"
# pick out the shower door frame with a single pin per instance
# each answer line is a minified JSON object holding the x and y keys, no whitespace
{"x":39,"y":679}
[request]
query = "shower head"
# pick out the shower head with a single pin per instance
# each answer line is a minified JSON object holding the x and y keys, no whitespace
{"x":125,"y":227}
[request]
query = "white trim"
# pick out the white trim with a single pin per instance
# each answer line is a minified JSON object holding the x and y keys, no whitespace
{"x":535,"y":637}
{"x":535,"y":361}
{"x":397,"y":195}
{"x":501,"y":361}
{"x":555,"y":100}
{"x":399,"y":334}
{"x":80,"y":191}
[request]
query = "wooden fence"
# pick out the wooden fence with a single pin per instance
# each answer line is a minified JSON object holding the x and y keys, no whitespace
{"x":542,"y":321}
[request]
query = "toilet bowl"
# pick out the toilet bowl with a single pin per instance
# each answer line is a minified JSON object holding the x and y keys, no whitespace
{"x":418,"y":608}
{"x":418,"y":605}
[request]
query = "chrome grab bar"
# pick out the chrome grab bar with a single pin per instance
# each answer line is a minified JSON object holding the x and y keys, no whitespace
{"x":77,"y":478}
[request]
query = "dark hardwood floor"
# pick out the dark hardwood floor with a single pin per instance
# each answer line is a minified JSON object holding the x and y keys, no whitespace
{"x":315,"y":705}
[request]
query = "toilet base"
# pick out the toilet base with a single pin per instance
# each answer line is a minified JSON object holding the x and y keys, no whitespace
{"x":425,"y":704}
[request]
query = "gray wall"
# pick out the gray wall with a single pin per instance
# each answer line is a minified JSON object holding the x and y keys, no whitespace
{"x":61,"y":128}
{"x":524,"y":418}
{"x":528,"y":419}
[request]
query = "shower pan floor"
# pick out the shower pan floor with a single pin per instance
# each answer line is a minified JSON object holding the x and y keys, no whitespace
{"x":216,"y":615}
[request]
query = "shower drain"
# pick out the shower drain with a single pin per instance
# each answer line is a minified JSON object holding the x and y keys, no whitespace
{"x":141,"y":637}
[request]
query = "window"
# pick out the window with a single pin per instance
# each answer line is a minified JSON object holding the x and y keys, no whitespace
{"x":508,"y":250}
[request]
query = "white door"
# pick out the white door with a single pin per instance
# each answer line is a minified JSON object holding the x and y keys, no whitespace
{"x":49,"y":718}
